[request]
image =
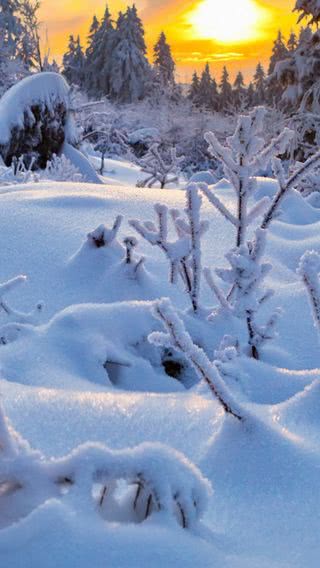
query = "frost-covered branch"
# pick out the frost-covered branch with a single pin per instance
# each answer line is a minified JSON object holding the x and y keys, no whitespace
{"x":178,"y":338}
{"x":184,"y":254}
{"x":309,"y":270}
{"x":14,"y":315}
{"x":242,"y":158}
{"x":286,"y":184}
{"x":158,"y":169}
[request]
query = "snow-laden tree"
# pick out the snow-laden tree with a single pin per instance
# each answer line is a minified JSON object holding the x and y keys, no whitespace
{"x":160,"y":169}
{"x":292,"y":42}
{"x":299,"y":74}
{"x":206,"y":93}
{"x":308,"y":9}
{"x":99,"y":54}
{"x":279,"y":52}
{"x":12,"y":67}
{"x":129,"y":67}
{"x":183,"y":253}
{"x":245,"y":153}
{"x":259,"y":84}
{"x":163,"y":62}
{"x":30,"y":50}
{"x":74,"y":62}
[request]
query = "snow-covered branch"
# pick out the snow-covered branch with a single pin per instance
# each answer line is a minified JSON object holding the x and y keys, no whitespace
{"x":309,"y":270}
{"x":158,"y":169}
{"x":158,"y":477}
{"x":286,"y":184}
{"x":184,"y":254}
{"x":178,"y":338}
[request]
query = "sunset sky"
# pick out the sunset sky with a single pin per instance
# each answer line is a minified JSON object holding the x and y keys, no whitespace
{"x":236,"y":33}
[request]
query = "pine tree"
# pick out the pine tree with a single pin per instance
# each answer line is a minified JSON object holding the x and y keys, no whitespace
{"x":292,"y":42}
{"x":300,"y":74}
{"x":259,"y":83}
{"x":308,"y":8}
{"x":279,"y":52}
{"x":225,"y":98}
{"x":73,"y":62}
{"x":129,"y":68}
{"x":274,"y":89}
{"x":10,"y":26}
{"x":163,"y":62}
{"x":194,"y":88}
{"x":12,"y":67}
{"x":30,"y":52}
{"x":102,"y":38}
{"x":250,"y":96}
{"x":207,"y":92}
{"x":239,"y":91}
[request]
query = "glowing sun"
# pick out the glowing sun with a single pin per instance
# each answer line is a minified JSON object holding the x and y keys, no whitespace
{"x":228,"y":21}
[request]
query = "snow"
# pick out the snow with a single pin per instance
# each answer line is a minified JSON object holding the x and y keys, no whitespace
{"x":58,"y":394}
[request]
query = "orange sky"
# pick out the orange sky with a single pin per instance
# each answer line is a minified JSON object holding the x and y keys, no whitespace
{"x":187,"y":24}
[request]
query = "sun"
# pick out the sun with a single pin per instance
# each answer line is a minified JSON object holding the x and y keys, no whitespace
{"x":228,"y":21}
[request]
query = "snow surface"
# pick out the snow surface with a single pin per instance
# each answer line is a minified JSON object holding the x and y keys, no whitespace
{"x":264,"y":511}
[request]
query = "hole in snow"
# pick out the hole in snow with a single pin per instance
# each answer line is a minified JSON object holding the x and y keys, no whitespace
{"x":122,"y":501}
{"x":114,"y":370}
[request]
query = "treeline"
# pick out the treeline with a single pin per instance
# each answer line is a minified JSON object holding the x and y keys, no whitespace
{"x":115,"y":63}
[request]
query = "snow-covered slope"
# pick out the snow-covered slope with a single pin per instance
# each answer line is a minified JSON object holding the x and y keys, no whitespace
{"x":88,"y":373}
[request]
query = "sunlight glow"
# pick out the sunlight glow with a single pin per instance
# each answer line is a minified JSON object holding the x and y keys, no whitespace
{"x":228,"y":21}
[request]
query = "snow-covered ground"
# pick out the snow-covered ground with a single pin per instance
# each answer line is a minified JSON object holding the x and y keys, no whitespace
{"x":86,"y":372}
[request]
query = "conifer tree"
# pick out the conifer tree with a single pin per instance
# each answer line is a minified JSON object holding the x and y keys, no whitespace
{"x":207,"y":92}
{"x":163,"y":62}
{"x":129,"y":68}
{"x":259,"y":83}
{"x":308,"y":9}
{"x":194,"y":88}
{"x":279,"y":52}
{"x":239,"y":91}
{"x":225,"y":91}
{"x":250,"y":96}
{"x":274,"y":88}
{"x":30,"y":52}
{"x":101,"y":42}
{"x":74,"y":62}
{"x":292,"y":42}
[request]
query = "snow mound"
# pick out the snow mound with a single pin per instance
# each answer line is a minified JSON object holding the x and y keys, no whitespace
{"x":47,"y":89}
{"x":102,"y":344}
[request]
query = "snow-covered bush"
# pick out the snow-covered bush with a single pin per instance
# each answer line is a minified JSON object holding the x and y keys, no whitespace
{"x":184,"y":254}
{"x":59,"y":168}
{"x":159,"y":479}
{"x":17,"y":172}
{"x":158,"y":169}
{"x":243,"y":156}
{"x":35,"y":119}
